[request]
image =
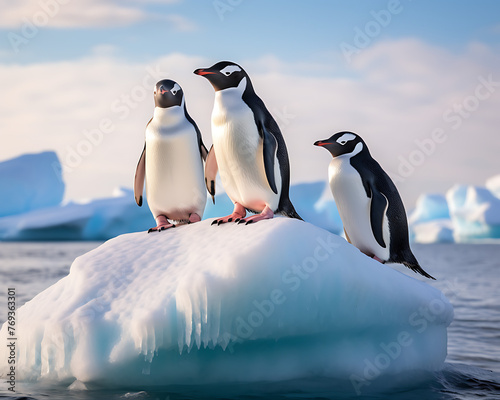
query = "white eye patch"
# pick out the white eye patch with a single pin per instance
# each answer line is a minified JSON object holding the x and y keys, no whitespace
{"x":346,"y":137}
{"x":175,"y":89}
{"x":230,"y":69}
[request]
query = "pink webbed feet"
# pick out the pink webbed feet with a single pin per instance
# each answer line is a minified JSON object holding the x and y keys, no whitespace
{"x":239,"y":212}
{"x":161,"y":224}
{"x":266,"y":213}
{"x":194,"y":218}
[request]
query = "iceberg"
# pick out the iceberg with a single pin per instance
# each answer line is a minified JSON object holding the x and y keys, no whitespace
{"x":278,"y":300}
{"x":98,"y":219}
{"x":436,"y":231}
{"x":493,"y":185}
{"x":475,"y":213}
{"x":430,"y":221}
{"x":103,"y":219}
{"x":429,"y":207}
{"x":466,"y":213}
{"x":32,"y":182}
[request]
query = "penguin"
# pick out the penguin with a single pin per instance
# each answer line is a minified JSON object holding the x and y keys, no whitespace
{"x":369,"y":204}
{"x":248,"y":149}
{"x":172,"y":161}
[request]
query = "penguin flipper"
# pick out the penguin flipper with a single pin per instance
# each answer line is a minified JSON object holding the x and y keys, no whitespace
{"x":211,"y":169}
{"x":140,"y":174}
{"x":270,"y":147}
{"x":203,"y":151}
{"x":378,"y":208}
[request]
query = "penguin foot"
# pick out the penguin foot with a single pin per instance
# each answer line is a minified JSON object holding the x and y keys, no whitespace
{"x":161,"y":224}
{"x":266,"y":213}
{"x":161,"y":228}
{"x":193,"y":217}
{"x":238,"y":214}
{"x":378,"y":259}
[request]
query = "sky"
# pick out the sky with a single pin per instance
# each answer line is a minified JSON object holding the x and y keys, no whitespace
{"x":418,"y":80}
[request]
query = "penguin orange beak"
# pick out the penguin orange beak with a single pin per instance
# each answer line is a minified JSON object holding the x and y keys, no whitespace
{"x":202,"y":72}
{"x":321,"y":143}
{"x":162,"y":90}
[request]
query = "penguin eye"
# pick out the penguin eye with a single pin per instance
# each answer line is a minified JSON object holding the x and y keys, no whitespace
{"x":229,"y":70}
{"x":346,"y":137}
{"x":175,"y":89}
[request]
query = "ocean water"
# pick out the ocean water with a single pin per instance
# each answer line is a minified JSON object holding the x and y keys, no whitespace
{"x":468,"y":274}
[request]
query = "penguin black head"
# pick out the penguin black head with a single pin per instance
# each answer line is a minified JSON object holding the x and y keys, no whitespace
{"x":223,"y":75}
{"x":343,"y":143}
{"x":168,"y":94}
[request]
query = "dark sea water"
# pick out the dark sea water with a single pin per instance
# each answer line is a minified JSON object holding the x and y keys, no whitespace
{"x":468,"y":274}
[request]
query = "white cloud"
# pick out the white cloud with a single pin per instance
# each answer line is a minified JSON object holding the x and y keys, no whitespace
{"x":84,"y":14}
{"x":397,"y":100}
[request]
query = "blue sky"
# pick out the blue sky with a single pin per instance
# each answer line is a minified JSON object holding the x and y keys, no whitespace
{"x":250,"y":29}
{"x":414,"y":61}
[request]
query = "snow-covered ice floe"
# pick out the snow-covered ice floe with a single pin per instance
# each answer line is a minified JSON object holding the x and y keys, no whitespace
{"x":277,"y":300}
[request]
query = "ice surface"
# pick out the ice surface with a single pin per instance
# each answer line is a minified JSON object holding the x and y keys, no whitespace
{"x":30,"y":182}
{"x":277,"y":300}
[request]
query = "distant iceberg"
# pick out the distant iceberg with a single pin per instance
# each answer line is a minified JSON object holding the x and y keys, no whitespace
{"x":475,"y":213}
{"x":34,"y":210}
{"x":30,"y":182}
{"x":278,"y":300}
{"x":98,"y":219}
{"x":465,"y":213}
{"x":430,"y":221}
{"x":493,"y":185}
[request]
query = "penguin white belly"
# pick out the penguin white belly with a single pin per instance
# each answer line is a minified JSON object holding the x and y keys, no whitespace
{"x":354,"y":208}
{"x":239,"y":153}
{"x":175,"y":184}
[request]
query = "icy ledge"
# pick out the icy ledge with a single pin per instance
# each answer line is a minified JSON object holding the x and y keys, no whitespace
{"x":277,"y":300}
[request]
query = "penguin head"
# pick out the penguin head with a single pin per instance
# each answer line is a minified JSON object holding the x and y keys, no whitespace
{"x":343,"y":143}
{"x":223,"y":75}
{"x":168,"y":94}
